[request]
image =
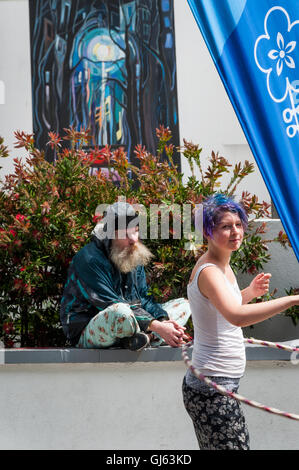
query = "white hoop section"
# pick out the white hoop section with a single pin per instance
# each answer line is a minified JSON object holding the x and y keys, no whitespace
{"x":237,"y":396}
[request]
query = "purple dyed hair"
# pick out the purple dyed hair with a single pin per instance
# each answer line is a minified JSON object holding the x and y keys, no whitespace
{"x":215,"y":206}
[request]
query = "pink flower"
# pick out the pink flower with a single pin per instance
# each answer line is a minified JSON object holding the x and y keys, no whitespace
{"x":8,"y":343}
{"x":36,"y":234}
{"x":18,"y":284}
{"x":252,"y":270}
{"x":97,"y":218}
{"x":20,"y":217}
{"x":8,"y":328}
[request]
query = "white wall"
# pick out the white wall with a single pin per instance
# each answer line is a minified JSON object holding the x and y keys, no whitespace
{"x":94,"y":406}
{"x":205,"y":113}
{"x":130,"y":406}
{"x":15,"y":75}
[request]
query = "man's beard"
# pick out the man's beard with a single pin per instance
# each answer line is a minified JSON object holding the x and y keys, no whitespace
{"x":127,"y":259}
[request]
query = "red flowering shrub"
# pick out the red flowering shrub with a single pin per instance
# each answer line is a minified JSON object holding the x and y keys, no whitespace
{"x":47,"y":213}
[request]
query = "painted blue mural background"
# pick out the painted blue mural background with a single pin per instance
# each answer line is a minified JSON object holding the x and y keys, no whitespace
{"x":105,"y":65}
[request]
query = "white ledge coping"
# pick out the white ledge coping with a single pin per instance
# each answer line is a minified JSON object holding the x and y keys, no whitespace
{"x":78,"y":355}
{"x":159,"y":354}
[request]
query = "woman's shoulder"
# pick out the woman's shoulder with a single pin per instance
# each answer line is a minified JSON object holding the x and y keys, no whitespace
{"x":200,"y":266}
{"x":209,"y":271}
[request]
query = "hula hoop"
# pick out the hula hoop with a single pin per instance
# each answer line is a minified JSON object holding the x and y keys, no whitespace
{"x":237,"y":396}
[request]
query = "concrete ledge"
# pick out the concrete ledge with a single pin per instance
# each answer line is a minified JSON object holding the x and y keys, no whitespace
{"x":160,"y":354}
{"x":75,"y":355}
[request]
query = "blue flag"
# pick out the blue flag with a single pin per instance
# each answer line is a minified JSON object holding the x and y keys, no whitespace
{"x":255,"y":47}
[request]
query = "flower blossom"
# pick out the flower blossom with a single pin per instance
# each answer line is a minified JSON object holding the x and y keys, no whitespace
{"x":282,"y":54}
{"x":20,"y":217}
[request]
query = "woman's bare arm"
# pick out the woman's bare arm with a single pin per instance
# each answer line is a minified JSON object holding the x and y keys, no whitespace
{"x":212,"y":285}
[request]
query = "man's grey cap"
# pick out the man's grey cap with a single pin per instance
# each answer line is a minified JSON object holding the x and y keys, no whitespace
{"x":117,"y":216}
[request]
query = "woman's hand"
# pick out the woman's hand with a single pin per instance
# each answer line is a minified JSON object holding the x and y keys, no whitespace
{"x":260,"y":285}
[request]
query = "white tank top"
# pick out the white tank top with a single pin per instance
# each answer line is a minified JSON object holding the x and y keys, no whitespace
{"x":219,"y":348}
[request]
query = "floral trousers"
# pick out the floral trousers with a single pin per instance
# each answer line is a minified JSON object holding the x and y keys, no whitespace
{"x":218,"y":420}
{"x":118,"y":321}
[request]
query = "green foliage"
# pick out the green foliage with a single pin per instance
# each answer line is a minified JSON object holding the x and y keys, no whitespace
{"x":47,"y":213}
{"x":293,"y":312}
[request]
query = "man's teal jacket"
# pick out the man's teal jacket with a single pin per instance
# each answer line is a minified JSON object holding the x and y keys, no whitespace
{"x":94,"y":283}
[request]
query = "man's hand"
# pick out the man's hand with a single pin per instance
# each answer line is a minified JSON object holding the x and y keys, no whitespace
{"x":170,"y":331}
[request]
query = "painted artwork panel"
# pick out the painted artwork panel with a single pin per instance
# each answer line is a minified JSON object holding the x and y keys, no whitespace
{"x":104,"y":65}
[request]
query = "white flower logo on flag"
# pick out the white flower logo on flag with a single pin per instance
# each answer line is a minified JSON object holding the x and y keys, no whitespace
{"x":276,"y":54}
{"x":282,"y":54}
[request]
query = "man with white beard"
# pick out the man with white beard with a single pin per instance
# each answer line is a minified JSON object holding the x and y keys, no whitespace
{"x":105,"y":301}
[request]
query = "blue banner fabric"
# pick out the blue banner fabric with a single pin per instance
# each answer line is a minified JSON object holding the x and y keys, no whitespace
{"x":255,"y":47}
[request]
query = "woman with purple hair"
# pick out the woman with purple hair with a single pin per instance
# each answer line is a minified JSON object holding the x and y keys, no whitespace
{"x":219,"y":311}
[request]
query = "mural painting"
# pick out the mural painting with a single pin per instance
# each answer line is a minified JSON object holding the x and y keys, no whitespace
{"x":106,"y":65}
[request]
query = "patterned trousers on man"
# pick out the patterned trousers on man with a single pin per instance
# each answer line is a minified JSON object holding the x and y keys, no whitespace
{"x":118,"y":321}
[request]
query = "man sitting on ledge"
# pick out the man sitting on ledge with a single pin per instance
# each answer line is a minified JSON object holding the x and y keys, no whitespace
{"x":105,"y":300}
